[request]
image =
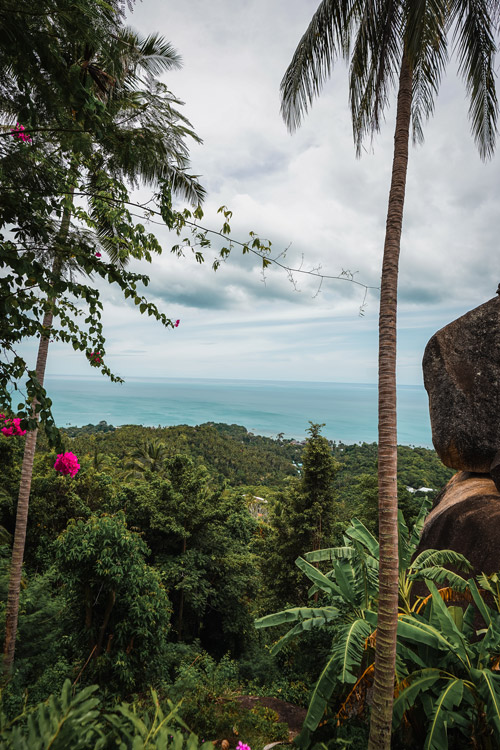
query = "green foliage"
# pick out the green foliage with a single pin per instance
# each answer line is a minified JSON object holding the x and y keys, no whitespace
{"x":210,"y":691}
{"x":228,"y":451}
{"x":448,"y":685}
{"x":118,"y":607}
{"x":350,"y":593}
{"x":205,"y":548}
{"x":302,"y":518}
{"x":74,"y":720}
{"x":101,"y":119}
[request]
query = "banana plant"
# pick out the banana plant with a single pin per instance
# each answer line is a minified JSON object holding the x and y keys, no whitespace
{"x":452,"y":682}
{"x":350,"y":590}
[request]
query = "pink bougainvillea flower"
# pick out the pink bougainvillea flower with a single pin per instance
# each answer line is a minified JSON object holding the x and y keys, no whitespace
{"x":242,"y":746}
{"x":12,"y":426}
{"x":95,"y":358}
{"x":176,"y":323}
{"x":67,"y":464}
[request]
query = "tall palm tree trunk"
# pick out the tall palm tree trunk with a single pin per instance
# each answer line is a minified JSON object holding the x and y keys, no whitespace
{"x":385,"y":659}
{"x":16,"y":565}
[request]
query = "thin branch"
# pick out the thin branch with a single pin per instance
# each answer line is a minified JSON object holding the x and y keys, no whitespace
{"x":343,"y":276}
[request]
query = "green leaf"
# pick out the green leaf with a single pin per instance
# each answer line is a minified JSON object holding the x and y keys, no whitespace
{"x":297,"y":613}
{"x":418,"y":681}
{"x":484,"y":610}
{"x":329,"y":554}
{"x":440,"y":576}
{"x":446,"y":625}
{"x":488,"y":687}
{"x":358,"y":531}
{"x":314,"y":575}
{"x":451,"y":696}
{"x":301,"y":627}
{"x":346,"y":657}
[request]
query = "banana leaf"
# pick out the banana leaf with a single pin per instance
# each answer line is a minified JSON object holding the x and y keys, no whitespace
{"x":329,"y":554}
{"x":450,"y":696}
{"x":488,"y":687}
{"x":431,"y":557}
{"x":345,"y":658}
{"x":358,"y":531}
{"x":317,"y":577}
{"x":301,"y":627}
{"x":296,"y":613}
{"x":420,"y":680}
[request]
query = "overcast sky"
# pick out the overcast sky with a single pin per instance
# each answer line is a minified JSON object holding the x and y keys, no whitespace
{"x":307,"y":192}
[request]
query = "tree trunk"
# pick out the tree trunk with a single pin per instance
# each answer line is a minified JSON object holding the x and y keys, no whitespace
{"x":181,"y":602}
{"x":16,"y":565}
{"x":102,"y":629}
{"x":385,"y":658}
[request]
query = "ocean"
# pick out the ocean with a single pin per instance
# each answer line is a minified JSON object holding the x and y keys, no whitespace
{"x":264,"y":407}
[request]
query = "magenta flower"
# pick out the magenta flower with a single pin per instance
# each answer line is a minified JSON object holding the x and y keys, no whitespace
{"x":20,"y":132}
{"x":67,"y":463}
{"x":176,"y":323}
{"x":95,"y":358}
{"x":242,"y":746}
{"x":98,"y":255}
{"x":12,"y":426}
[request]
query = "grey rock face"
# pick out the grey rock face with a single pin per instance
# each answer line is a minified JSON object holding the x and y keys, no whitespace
{"x":462,"y":377}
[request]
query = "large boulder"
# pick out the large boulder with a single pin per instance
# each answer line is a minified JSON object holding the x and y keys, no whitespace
{"x":462,"y":376}
{"x":466,"y":518}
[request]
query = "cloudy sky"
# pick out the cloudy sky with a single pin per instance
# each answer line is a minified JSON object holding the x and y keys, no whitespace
{"x":307,"y":193}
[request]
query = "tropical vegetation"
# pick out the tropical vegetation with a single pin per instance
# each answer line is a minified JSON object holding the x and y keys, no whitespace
{"x":153,"y":578}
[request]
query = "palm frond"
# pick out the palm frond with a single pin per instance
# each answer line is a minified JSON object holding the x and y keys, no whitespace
{"x":475,"y":45}
{"x":375,"y":62}
{"x":426,"y":46}
{"x":326,"y":38}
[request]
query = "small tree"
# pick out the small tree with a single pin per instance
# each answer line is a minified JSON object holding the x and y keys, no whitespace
{"x":119,"y":608}
{"x":303,"y":518}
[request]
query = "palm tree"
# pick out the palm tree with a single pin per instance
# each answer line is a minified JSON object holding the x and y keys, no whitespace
{"x":384,"y":41}
{"x":141,"y":137}
{"x":151,"y":455}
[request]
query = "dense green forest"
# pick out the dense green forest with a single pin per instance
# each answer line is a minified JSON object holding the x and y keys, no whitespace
{"x":149,"y":567}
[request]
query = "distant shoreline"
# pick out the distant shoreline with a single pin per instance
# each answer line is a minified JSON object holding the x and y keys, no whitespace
{"x":267,"y":408}
{"x":103,"y":427}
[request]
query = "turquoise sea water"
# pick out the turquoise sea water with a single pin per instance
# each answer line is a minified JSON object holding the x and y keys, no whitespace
{"x":264,"y":407}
